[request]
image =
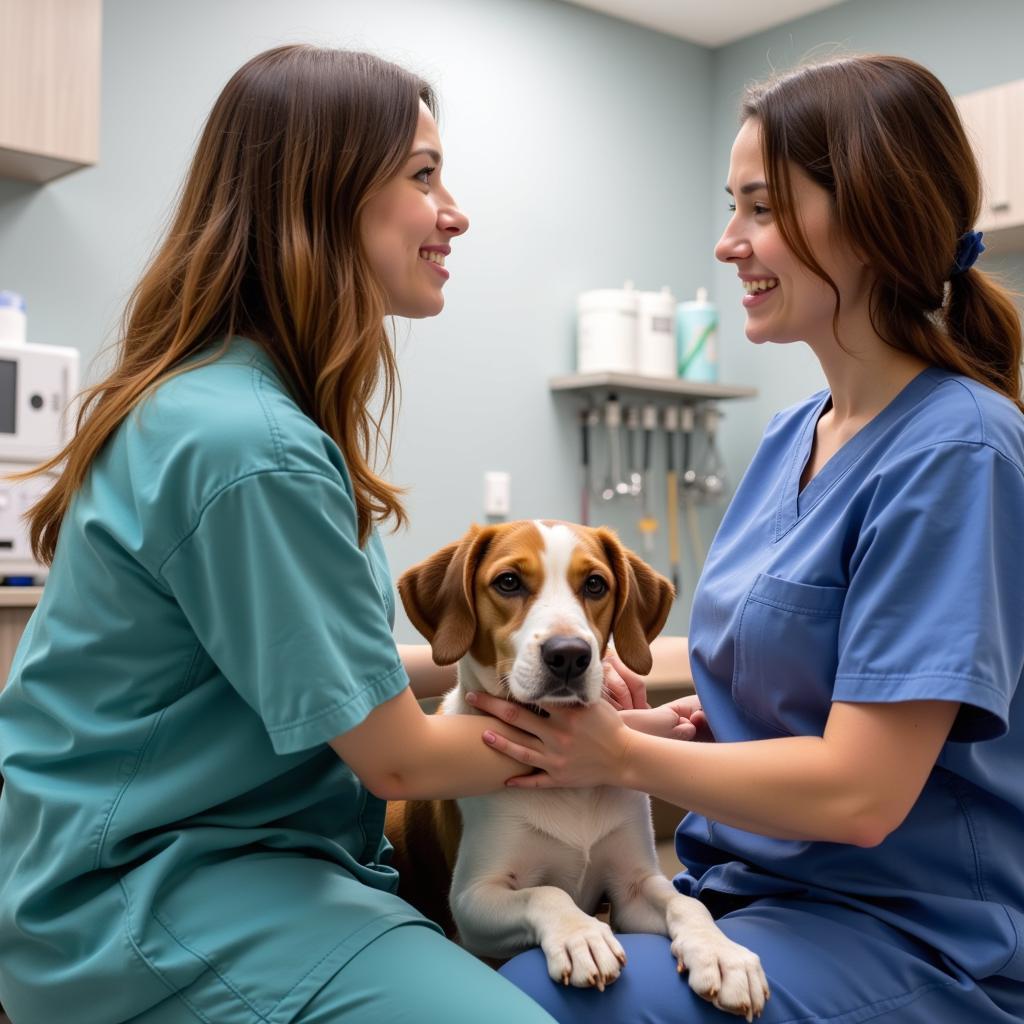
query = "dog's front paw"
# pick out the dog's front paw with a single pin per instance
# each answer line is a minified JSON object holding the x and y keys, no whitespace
{"x":725,"y":973}
{"x":584,"y":953}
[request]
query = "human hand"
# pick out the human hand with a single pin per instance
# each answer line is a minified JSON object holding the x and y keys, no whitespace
{"x":623,"y":688}
{"x":689,"y":710}
{"x":664,"y":721}
{"x":572,"y":747}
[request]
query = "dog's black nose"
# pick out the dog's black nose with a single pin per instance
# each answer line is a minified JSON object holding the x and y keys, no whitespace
{"x":566,"y":657}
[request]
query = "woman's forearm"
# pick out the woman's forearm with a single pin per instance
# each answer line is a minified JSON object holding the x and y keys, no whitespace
{"x":400,"y":753}
{"x":425,"y":678}
{"x":447,"y":760}
{"x":787,"y":788}
{"x":853,"y":784}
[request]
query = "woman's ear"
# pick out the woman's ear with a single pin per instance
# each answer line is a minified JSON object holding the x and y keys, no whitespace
{"x":438,"y":595}
{"x":643,"y":600}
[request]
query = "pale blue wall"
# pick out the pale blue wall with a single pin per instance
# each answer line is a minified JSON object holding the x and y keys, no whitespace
{"x":585,"y":151}
{"x":574,"y":142}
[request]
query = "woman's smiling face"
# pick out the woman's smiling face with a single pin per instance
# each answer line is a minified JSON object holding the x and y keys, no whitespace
{"x":785,"y":300}
{"x":407,"y":226}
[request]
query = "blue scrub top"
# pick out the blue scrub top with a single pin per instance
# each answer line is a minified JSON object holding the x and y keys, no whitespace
{"x":896,"y":574}
{"x":173,"y":819}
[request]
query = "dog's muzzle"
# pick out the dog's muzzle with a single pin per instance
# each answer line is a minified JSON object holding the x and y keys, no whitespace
{"x":566,"y":659}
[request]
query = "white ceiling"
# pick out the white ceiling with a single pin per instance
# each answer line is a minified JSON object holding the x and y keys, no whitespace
{"x":707,"y":22}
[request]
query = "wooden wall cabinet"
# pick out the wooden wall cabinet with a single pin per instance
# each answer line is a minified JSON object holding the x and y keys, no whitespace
{"x":49,"y":87}
{"x":994,"y":119}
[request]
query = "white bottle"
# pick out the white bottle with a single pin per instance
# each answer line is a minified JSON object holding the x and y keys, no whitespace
{"x":606,"y":330}
{"x":12,"y":319}
{"x":656,"y":333}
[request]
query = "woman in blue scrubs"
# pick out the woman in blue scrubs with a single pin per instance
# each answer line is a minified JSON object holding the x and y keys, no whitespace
{"x":179,"y":842}
{"x":857,"y":638}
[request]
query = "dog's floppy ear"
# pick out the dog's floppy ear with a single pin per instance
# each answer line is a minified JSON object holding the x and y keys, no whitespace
{"x":643,"y":600}
{"x":438,"y":595}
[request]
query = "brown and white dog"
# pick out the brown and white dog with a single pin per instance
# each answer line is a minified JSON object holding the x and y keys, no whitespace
{"x":527,"y":610}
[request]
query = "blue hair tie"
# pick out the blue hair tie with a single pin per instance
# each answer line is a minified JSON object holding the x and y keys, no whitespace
{"x":968,"y":249}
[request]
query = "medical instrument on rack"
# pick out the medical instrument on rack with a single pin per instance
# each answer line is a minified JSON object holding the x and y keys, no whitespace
{"x":614,"y":484}
{"x":585,"y":466}
{"x":634,"y":475}
{"x":648,"y":524}
{"x":671,"y":423}
{"x":712,"y":480}
{"x":690,"y":485}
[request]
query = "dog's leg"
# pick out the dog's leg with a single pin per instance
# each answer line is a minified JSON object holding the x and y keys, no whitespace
{"x":511,"y":890}
{"x":725,"y":973}
{"x":495,"y":919}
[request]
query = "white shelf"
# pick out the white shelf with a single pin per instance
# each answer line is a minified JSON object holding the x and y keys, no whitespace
{"x":695,"y":391}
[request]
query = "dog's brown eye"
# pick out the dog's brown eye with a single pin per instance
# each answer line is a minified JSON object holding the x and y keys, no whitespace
{"x":508,"y":583}
{"x":595,"y":586}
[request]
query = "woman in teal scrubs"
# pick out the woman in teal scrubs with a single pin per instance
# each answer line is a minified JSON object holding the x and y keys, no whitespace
{"x":857,"y":638}
{"x":178,"y":839}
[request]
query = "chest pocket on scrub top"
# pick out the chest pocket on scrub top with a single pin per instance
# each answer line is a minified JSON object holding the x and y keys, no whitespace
{"x":787,"y":652}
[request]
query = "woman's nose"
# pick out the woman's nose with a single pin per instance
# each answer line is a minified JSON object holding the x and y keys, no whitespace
{"x":451,"y":220}
{"x":732,"y":245}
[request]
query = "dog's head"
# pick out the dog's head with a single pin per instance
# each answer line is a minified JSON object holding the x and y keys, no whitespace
{"x":536,"y":602}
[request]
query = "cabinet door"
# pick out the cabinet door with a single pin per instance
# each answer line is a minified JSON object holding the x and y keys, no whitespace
{"x":1013,"y":129}
{"x":994,"y":120}
{"x":49,"y":86}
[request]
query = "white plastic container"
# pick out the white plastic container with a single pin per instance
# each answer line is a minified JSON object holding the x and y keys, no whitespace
{"x":656,"y":333}
{"x":12,"y":319}
{"x":697,"y":335}
{"x":606,"y":330}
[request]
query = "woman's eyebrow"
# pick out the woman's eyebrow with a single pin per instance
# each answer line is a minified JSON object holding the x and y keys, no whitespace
{"x":753,"y":186}
{"x":426,"y":151}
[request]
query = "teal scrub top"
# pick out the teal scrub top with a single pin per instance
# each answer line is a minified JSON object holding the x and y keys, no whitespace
{"x":173,"y":819}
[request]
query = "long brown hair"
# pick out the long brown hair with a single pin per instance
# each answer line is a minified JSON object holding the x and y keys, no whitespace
{"x":883,"y":137}
{"x":265,"y":244}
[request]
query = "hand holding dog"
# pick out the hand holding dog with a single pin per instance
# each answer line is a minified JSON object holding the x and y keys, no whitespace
{"x":573,"y":747}
{"x":623,"y":688}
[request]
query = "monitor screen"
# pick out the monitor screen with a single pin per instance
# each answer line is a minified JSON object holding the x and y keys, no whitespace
{"x":8,"y":393}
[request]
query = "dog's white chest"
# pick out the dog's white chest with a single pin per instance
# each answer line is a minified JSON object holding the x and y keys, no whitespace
{"x":578,"y":819}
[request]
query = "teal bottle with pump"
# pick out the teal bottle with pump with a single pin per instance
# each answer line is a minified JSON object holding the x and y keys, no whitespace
{"x":697,"y":338}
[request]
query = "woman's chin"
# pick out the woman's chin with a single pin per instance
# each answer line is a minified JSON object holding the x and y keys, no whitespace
{"x":420,"y":308}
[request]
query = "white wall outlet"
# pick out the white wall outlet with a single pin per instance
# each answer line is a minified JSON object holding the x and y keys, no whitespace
{"x":497,"y":500}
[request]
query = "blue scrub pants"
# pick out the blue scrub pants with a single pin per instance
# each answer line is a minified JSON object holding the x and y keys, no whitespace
{"x":824,"y":963}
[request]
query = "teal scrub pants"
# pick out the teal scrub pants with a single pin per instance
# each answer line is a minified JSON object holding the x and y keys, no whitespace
{"x":825,"y":964}
{"x":409,"y":975}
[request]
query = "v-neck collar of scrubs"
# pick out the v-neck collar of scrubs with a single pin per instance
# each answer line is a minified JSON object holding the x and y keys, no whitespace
{"x":796,"y":503}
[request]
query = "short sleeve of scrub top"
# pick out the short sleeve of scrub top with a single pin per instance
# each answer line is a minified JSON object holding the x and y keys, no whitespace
{"x":935,"y":605}
{"x":274,"y":558}
{"x":894,"y":574}
{"x":174,"y":820}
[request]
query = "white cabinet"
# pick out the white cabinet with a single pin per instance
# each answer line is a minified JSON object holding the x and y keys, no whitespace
{"x":994,"y":119}
{"x":49,"y":87}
